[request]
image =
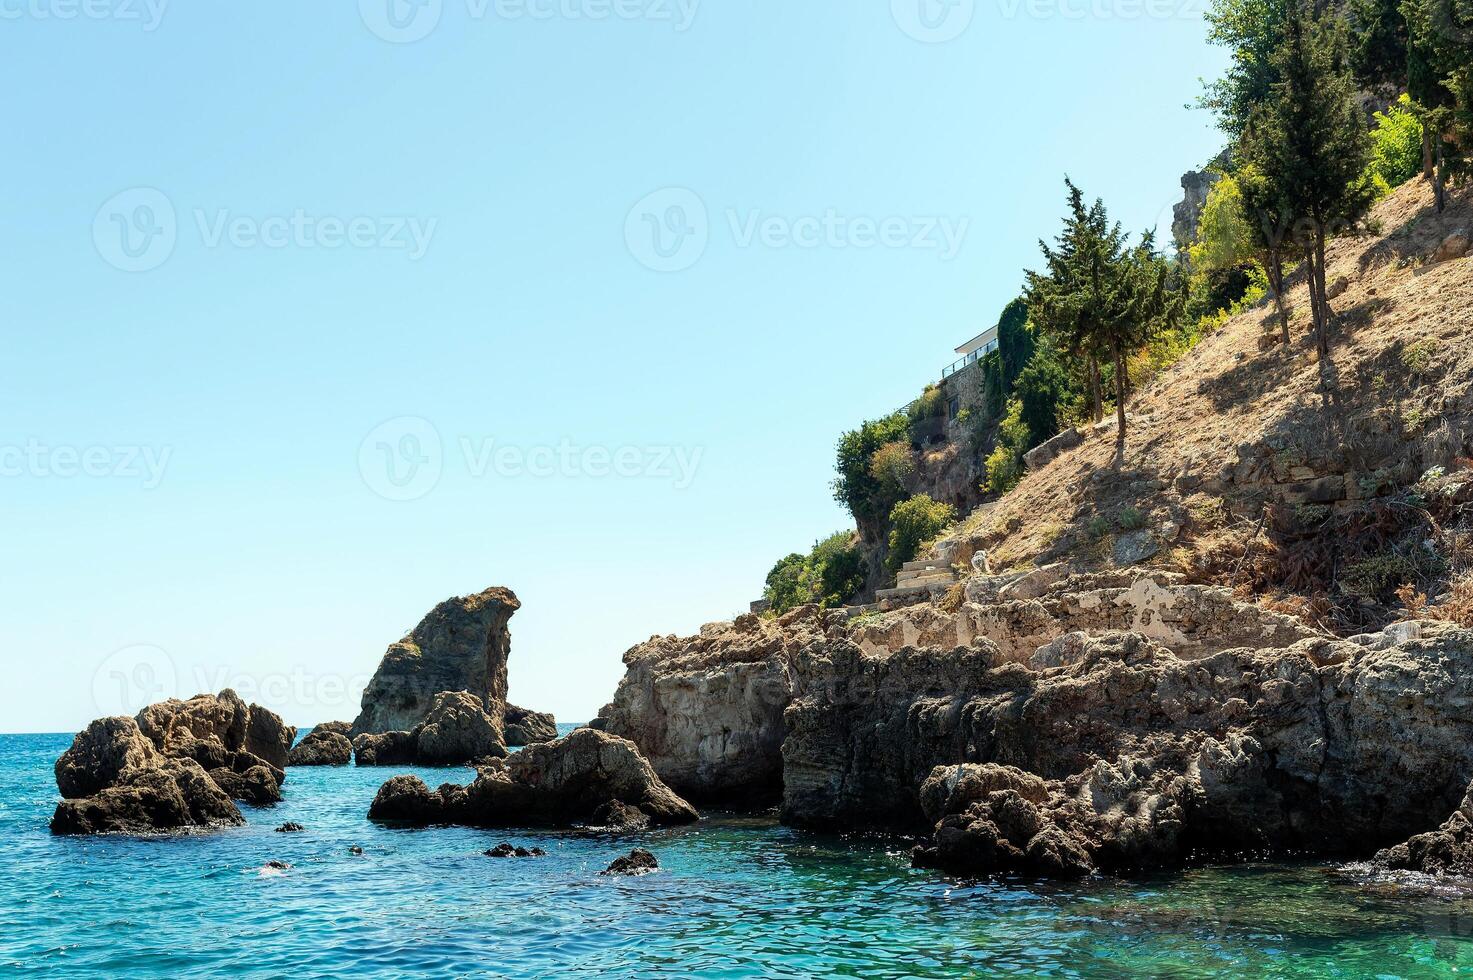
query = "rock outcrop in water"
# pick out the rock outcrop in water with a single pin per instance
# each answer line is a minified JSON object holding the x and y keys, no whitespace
{"x":708,"y":711}
{"x":456,"y":731}
{"x":554,"y":784}
{"x":325,"y":745}
{"x":1064,"y":725}
{"x":1448,"y":850}
{"x":178,"y":765}
{"x":462,"y":645}
{"x":526,"y":727}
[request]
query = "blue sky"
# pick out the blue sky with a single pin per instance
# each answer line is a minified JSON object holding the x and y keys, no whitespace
{"x":315,"y":316}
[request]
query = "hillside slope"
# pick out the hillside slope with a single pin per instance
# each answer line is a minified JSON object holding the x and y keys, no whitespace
{"x":1237,"y":473}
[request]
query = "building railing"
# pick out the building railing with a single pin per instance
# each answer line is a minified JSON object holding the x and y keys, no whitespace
{"x":969,"y":360}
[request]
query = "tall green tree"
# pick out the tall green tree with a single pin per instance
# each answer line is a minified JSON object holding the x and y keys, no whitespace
{"x":1252,"y":31}
{"x":1309,"y":142}
{"x":1269,"y":227}
{"x":1075,"y":293}
{"x":1440,"y":83}
{"x":1145,"y":304}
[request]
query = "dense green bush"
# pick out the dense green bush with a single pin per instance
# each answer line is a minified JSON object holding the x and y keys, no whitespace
{"x":1005,"y":464}
{"x":1224,"y":237}
{"x":828,"y":575}
{"x":912,"y":523}
{"x":930,"y":405}
{"x":1396,"y":144}
{"x":855,"y":486}
{"x":893,"y":467}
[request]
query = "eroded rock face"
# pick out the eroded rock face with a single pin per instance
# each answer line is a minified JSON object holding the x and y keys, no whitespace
{"x":1447,"y":850}
{"x":462,"y":645}
{"x":557,"y":784}
{"x":216,"y":730}
{"x":456,"y":731}
{"x":707,"y":711}
{"x":1128,"y":756}
{"x":325,"y":745}
{"x":179,"y":764}
{"x":172,"y":794}
{"x":525,"y":727}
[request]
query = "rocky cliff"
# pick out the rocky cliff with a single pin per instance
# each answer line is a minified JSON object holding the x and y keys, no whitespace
{"x":461,"y":645}
{"x":1085,"y":723}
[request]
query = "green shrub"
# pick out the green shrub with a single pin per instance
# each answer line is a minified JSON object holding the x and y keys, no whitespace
{"x":930,"y":405}
{"x":914,"y":522}
{"x":831,"y":572}
{"x":854,"y":486}
{"x":893,"y":467}
{"x":1005,"y":464}
{"x":1131,"y":519}
{"x":1396,"y":145}
{"x":1224,"y":237}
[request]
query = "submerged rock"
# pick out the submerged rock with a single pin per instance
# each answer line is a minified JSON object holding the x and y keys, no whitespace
{"x":614,"y":815}
{"x":456,"y":732}
{"x":461,"y":645}
{"x":325,"y":745}
{"x":559,"y":784}
{"x":177,"y":765}
{"x":525,"y":727}
{"x":511,"y":851}
{"x":636,"y":862}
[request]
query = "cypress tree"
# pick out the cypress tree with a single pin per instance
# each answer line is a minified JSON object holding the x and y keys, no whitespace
{"x":1310,"y":144}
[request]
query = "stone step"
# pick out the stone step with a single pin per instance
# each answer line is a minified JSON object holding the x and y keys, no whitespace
{"x":925,"y":578}
{"x":924,"y":563}
{"x":917,"y":593}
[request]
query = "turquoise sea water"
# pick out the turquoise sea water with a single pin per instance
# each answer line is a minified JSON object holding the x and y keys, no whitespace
{"x":739,"y":896}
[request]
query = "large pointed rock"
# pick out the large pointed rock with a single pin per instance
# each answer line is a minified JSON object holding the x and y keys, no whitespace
{"x":462,"y":645}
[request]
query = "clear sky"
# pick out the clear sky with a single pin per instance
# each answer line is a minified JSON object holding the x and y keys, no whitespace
{"x":316,"y":315}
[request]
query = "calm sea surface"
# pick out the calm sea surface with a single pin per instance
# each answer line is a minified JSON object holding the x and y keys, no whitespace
{"x":739,"y":897}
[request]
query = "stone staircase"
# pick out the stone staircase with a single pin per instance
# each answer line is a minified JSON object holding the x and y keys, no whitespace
{"x":917,"y":581}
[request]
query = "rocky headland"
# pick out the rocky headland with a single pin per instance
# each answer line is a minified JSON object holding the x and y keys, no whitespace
{"x":177,"y":765}
{"x":1059,"y":724}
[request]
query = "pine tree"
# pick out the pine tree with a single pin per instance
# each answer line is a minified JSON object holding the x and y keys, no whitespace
{"x":1270,"y":229}
{"x":1309,"y":142}
{"x":1144,"y":305}
{"x":1440,"y":83}
{"x":1074,"y":295}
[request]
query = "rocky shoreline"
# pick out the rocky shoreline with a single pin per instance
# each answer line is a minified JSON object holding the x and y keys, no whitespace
{"x":1048,"y":724}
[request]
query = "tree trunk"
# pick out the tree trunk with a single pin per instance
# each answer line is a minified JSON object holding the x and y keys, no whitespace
{"x":1439,"y":179}
{"x":1122,"y":384}
{"x":1096,"y":397}
{"x":1276,"y":283}
{"x":1325,"y":312}
{"x":1426,"y":149}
